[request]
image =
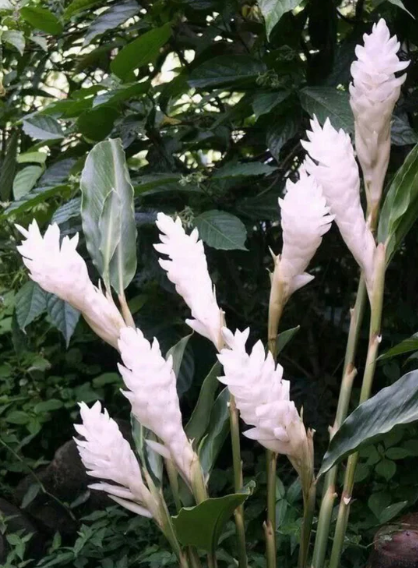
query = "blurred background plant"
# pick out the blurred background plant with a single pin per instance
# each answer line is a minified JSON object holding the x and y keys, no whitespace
{"x":210,"y":100}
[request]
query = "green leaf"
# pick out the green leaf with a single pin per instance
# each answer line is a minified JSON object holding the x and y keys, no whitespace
{"x":401,"y":5}
{"x":406,"y":346}
{"x":177,"y":353}
{"x":122,"y":93}
{"x":30,"y":494}
{"x":199,"y":420}
{"x":202,"y":525}
{"x":111,"y":19}
{"x":67,"y":211}
{"x":18,"y":417}
{"x":226,"y":70}
{"x":218,"y":430}
{"x":78,"y":6}
{"x":25,"y":180}
{"x":402,"y":134}
{"x":15,"y":38}
{"x":273,"y":10}
{"x":221,"y":230}
{"x":386,"y":468}
{"x":97,"y":123}
{"x":152,"y":461}
{"x":140,"y":52}
{"x":43,"y":128}
{"x":280,"y":131}
{"x":396,"y":405}
{"x":38,"y":195}
{"x":325,"y":102}
{"x":263,"y":103}
{"x":284,"y":337}
{"x":243,"y":170}
{"x":400,"y":207}
{"x":109,"y":217}
{"x":8,"y":166}
{"x":30,"y":303}
{"x":42,"y":19}
{"x":391,"y":512}
{"x":63,"y":316}
{"x":28,"y":157}
{"x":48,"y":405}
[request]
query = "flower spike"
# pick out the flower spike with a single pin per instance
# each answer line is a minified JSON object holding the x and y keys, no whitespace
{"x":152,"y":393}
{"x":59,"y":269}
{"x":331,"y":161}
{"x":263,"y":398}
{"x":374,"y":92}
{"x":107,"y":455}
{"x":188,"y":270}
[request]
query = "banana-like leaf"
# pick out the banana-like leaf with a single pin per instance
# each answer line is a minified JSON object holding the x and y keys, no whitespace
{"x":107,"y":212}
{"x":393,"y":406}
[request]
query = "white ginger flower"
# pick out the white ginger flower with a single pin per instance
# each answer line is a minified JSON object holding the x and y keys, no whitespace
{"x":187,"y":269}
{"x":333,"y":164}
{"x":305,"y":219}
{"x":60,"y":270}
{"x":153,"y":395}
{"x":263,"y":399}
{"x":107,"y":455}
{"x":374,"y":92}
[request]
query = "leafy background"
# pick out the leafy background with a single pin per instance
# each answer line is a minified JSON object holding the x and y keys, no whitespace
{"x":210,"y":100}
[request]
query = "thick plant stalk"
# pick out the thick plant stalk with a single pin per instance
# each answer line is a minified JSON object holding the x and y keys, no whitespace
{"x":374,"y":341}
{"x":308,"y":514}
{"x":270,"y":524}
{"x":349,"y":373}
{"x":238,"y":481}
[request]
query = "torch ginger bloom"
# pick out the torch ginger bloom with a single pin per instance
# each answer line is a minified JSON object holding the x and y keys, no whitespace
{"x":263,"y":399}
{"x":107,"y":455}
{"x":152,"y":393}
{"x":59,"y":269}
{"x":374,"y":92}
{"x":187,"y":269}
{"x":333,"y":165}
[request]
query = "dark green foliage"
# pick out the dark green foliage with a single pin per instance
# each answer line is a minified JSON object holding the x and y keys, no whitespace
{"x":210,"y":111}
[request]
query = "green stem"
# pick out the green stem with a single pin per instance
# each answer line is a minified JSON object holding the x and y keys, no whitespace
{"x":276,"y":306}
{"x":374,"y":340}
{"x":174,"y":482}
{"x":349,"y":373}
{"x":308,"y":514}
{"x":270,"y":525}
{"x":238,"y":482}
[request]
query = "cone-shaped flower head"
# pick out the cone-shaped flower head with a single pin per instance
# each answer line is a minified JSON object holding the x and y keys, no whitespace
{"x":263,"y":399}
{"x":153,"y":395}
{"x":333,"y":164}
{"x":374,"y":92}
{"x":305,"y":218}
{"x":60,"y":270}
{"x":107,"y":455}
{"x":187,"y":269}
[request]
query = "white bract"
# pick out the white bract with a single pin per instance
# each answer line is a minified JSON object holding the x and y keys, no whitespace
{"x":305,"y":219}
{"x":107,"y":455}
{"x":263,"y":399}
{"x":60,"y":270}
{"x":374,"y":92}
{"x":333,"y":164}
{"x":187,"y":269}
{"x":153,"y":395}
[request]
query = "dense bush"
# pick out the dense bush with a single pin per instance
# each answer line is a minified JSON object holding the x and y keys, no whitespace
{"x":210,"y":100}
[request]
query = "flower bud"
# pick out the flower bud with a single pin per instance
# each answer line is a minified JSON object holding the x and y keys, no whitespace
{"x":187,"y":269}
{"x":374,"y":92}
